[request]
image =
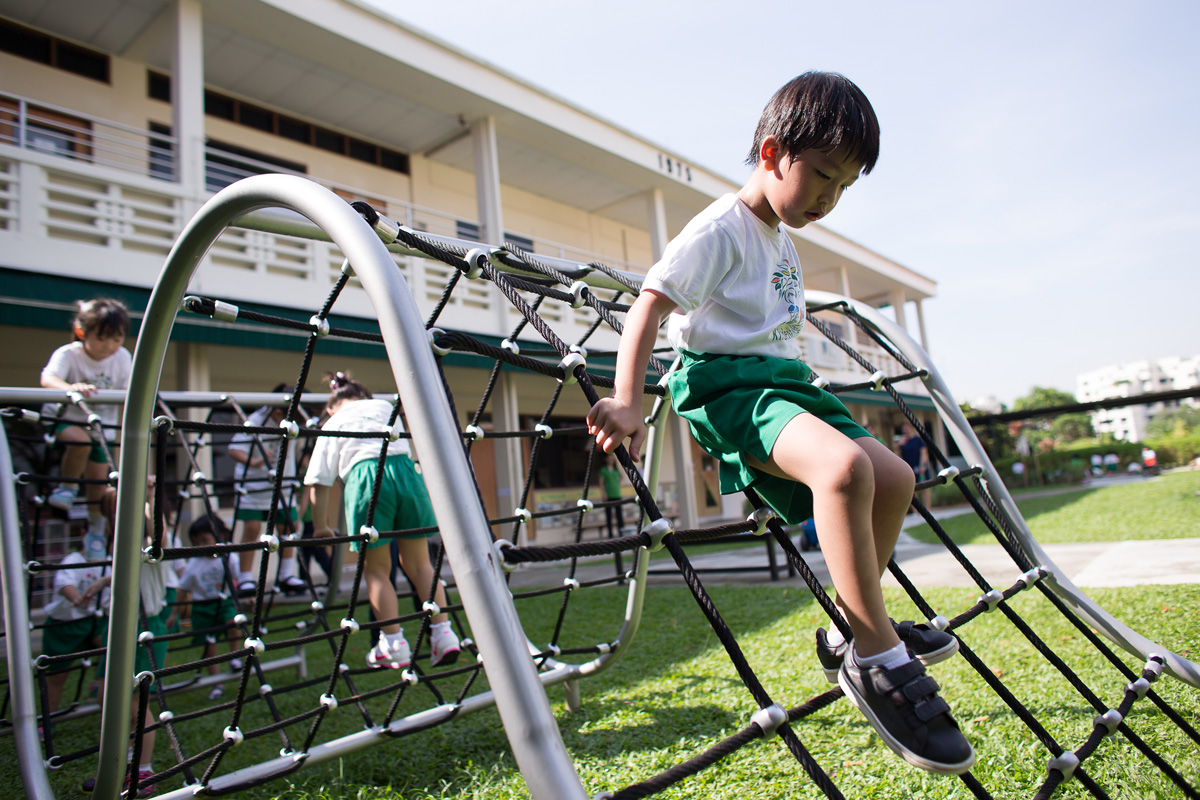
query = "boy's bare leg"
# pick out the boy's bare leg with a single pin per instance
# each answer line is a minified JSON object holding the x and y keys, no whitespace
{"x":251,"y":529}
{"x":414,"y":560}
{"x":380,"y":589}
{"x":894,"y":482}
{"x":841,"y":476}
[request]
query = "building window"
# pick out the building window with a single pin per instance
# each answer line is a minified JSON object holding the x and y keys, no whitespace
{"x":53,"y":52}
{"x":161,"y":156}
{"x":467,"y":230}
{"x":225,"y":163}
{"x":523,"y":242}
{"x":45,"y":131}
{"x":563,"y":458}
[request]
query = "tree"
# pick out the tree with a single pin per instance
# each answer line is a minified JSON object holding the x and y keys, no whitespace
{"x":1043,"y":397}
{"x":1072,"y":427}
{"x":1176,"y":422}
{"x":996,"y":440}
{"x":1040,"y":429}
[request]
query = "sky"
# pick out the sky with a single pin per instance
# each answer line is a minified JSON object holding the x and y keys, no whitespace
{"x":1039,"y":160}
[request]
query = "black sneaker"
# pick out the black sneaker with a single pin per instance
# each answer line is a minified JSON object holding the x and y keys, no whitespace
{"x":292,"y":585}
{"x":928,"y":645}
{"x":903,"y":706}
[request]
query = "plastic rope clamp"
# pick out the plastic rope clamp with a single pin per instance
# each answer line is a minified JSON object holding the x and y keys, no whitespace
{"x":265,"y":689}
{"x":500,"y":545}
{"x":525,"y":514}
{"x":329,"y":702}
{"x":320,"y":326}
{"x":271,"y":541}
{"x":939,"y":623}
{"x":1139,"y":687}
{"x":370,"y":532}
{"x":545,"y":430}
{"x":568,"y":366}
{"x":511,"y":346}
{"x":148,"y":557}
{"x":604,"y":648}
{"x":769,"y":719}
{"x":1110,"y":720}
{"x":579,"y":290}
{"x":877,"y":379}
{"x":578,"y":348}
{"x":434,"y":333}
{"x":431,"y":608}
{"x":224,"y":312}
{"x":410,"y":677}
{"x":665,"y":383}
{"x":165,"y":422}
{"x":317,"y":605}
{"x":166,"y":716}
{"x":948,"y":474}
{"x":199,"y":477}
{"x":349,"y":624}
{"x":256,"y":645}
{"x":233,"y":735}
{"x":1065,"y":763}
{"x":474,"y":264}
{"x":1030,"y":577}
{"x":991,"y":599}
{"x":760,"y":517}
{"x":475,"y":431}
{"x":145,"y":636}
{"x":1155,"y":669}
{"x":113,"y":477}
{"x":656,"y":530}
{"x":571,"y":583}
{"x":291,"y":428}
{"x":820,"y":382}
{"x":585,"y":504}
{"x":143,"y":677}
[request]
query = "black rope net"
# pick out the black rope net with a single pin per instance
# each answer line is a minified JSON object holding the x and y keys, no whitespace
{"x":291,"y":670}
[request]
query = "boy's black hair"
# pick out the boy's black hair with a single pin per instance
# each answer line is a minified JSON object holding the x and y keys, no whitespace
{"x":820,"y":111}
{"x":104,"y":316}
{"x":210,"y":524}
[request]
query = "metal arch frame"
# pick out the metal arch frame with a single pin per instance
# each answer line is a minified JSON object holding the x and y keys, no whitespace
{"x":523,"y":706}
{"x":956,"y":423}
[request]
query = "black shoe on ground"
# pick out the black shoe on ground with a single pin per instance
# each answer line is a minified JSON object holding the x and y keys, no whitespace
{"x":903,"y":706}
{"x":928,"y":645}
{"x":292,"y":585}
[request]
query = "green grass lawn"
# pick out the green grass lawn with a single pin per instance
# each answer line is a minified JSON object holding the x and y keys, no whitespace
{"x":1167,"y":507}
{"x":675,"y":694}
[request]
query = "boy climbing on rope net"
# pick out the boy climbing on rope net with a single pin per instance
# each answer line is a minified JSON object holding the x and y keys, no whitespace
{"x":732,"y":287}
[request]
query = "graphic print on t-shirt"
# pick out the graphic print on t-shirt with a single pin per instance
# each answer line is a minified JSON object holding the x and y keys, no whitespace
{"x":786,"y":279}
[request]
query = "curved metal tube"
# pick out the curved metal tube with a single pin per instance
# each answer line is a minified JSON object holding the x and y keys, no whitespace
{"x":523,"y":706}
{"x":956,"y":423}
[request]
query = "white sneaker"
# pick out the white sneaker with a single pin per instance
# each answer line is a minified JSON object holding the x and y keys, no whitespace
{"x":445,"y":648}
{"x":398,"y":656}
{"x":62,"y":498}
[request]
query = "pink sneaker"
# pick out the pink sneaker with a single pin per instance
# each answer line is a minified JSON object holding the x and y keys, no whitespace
{"x":380,"y":656}
{"x":444,"y":649}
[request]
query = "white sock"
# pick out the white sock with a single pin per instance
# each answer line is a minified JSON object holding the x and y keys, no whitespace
{"x":287,"y":569}
{"x":145,"y":767}
{"x":243,"y":577}
{"x":394,"y":639}
{"x":834,"y":637}
{"x":439,"y":627}
{"x":888,"y":659}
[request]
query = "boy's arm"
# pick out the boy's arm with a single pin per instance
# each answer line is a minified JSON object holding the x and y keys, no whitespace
{"x":614,"y":418}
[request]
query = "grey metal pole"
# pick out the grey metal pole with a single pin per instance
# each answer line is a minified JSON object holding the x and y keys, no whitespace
{"x":972,"y":450}
{"x":523,"y":706}
{"x":16,"y":624}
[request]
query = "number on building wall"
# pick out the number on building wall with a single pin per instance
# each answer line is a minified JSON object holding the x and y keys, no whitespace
{"x":675,"y":168}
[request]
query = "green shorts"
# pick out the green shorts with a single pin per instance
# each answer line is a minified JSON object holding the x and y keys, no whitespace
{"x":209,"y":614}
{"x":142,"y":660}
{"x":736,"y":406}
{"x":286,"y":514}
{"x":61,"y":638}
{"x":403,"y":501}
{"x":169,"y":609}
{"x":95,"y":453}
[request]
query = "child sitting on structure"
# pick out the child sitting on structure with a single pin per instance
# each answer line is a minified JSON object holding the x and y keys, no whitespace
{"x":403,"y":504}
{"x":208,"y":580}
{"x":732,"y":278}
{"x":96,"y":360}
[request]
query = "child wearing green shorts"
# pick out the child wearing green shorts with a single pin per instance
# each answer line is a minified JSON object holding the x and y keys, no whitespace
{"x":731,"y":286}
{"x":403,"y":504}
{"x":208,"y":581}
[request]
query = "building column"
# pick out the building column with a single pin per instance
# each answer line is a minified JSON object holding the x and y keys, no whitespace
{"x":510,"y":469}
{"x":898,"y":299}
{"x":194,"y":375}
{"x":487,"y":181}
{"x":921,"y":324}
{"x":851,"y":328}
{"x":187,"y":102}
{"x":680,"y":437}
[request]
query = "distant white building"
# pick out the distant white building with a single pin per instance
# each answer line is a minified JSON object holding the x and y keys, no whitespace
{"x":1132,"y":379}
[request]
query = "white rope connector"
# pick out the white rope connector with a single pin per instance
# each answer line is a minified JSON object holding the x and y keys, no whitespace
{"x":145,"y":637}
{"x":199,"y":477}
{"x":877,"y":379}
{"x":578,"y":348}
{"x":410,"y":677}
{"x":579,"y":290}
{"x":431,"y":608}
{"x":265,"y":689}
{"x":665,"y":383}
{"x":1139,"y":687}
{"x":271,"y":541}
{"x":94,"y":419}
{"x":1110,"y":720}
{"x":500,"y":545}
{"x":370,"y":532}
{"x":571,"y":583}
{"x":605,"y":648}
{"x":585,"y":504}
{"x":760,"y":517}
{"x":291,"y":428}
{"x":163,"y":421}
{"x":545,"y":430}
{"x":320,"y":326}
{"x":1066,"y":764}
{"x":820,"y":382}
{"x":240,"y":619}
{"x":349,"y":624}
{"x":329,"y":702}
{"x":1155,"y":668}
{"x":769,"y":719}
{"x":475,"y":260}
{"x":948,"y":474}
{"x":434,"y":333}
{"x":224,"y":312}
{"x":991,"y":599}
{"x":656,"y":530}
{"x":554,"y":650}
{"x":317,"y":605}
{"x":147,"y":677}
{"x":166,"y":716}
{"x":148,"y":556}
{"x":114,"y":477}
{"x":511,"y":346}
{"x":233,"y":735}
{"x":938,"y":623}
{"x":256,"y":645}
{"x":475,"y":431}
{"x":1030,"y":577}
{"x":568,"y":366}
{"x":525,"y":514}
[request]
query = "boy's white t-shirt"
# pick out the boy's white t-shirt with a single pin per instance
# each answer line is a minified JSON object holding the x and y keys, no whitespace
{"x":72,"y":364}
{"x":204,"y":576}
{"x":332,"y":457}
{"x":256,"y":481}
{"x":62,"y":609}
{"x":737,"y":284}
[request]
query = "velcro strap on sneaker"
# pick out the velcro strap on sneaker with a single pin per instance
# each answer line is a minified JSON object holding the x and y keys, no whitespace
{"x":931,"y":708}
{"x":923,"y":686}
{"x":904,"y":629}
{"x":893,"y":679}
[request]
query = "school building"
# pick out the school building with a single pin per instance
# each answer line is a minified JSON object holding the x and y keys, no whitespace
{"x":119,"y":118}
